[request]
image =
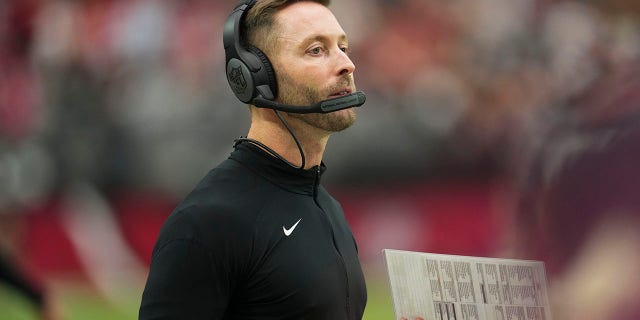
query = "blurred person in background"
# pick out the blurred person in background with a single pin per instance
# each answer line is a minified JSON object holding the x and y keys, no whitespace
{"x":579,"y":206}
{"x":580,"y":214}
{"x":19,"y":169}
{"x":259,"y":237}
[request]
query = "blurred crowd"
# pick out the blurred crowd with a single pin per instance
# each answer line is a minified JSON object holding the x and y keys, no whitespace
{"x":130,"y":95}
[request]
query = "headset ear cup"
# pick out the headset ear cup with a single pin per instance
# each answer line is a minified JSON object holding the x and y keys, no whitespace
{"x":240,"y":80}
{"x":268,"y":77}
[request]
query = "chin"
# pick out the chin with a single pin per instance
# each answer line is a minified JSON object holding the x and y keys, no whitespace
{"x":329,"y":122}
{"x":343,"y":119}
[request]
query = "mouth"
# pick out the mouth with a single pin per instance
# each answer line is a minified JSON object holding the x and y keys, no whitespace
{"x":340,"y":93}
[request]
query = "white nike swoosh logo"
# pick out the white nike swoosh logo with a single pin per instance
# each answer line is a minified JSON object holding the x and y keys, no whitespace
{"x":287,"y":232}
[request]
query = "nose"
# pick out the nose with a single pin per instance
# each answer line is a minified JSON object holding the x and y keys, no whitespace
{"x":345,"y":65}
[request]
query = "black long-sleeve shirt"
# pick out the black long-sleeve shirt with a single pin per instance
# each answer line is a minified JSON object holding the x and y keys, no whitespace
{"x":256,"y":239}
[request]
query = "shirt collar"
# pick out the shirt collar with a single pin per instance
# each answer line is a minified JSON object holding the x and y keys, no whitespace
{"x":277,"y":171}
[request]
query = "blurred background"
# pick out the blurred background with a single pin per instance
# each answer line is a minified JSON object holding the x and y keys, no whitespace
{"x":501,"y":128}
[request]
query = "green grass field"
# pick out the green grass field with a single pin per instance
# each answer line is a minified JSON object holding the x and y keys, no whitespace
{"x":77,"y":301}
{"x":73,"y":300}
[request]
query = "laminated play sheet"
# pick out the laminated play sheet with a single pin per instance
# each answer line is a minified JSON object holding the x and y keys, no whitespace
{"x":428,"y":286}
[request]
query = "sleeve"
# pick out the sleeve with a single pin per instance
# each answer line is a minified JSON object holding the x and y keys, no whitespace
{"x":184,"y":283}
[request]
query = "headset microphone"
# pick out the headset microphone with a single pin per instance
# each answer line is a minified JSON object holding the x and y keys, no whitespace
{"x":252,"y":78}
{"x":355,"y":99}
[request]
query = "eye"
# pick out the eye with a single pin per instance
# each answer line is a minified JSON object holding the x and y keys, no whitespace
{"x":316,"y":51}
{"x":346,"y":50}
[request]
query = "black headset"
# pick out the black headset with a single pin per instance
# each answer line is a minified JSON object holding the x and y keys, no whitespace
{"x":249,"y":71}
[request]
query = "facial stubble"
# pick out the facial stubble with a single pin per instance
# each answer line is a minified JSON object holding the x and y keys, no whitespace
{"x":296,"y":94}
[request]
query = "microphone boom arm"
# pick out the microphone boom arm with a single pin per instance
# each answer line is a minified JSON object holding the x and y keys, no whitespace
{"x":355,"y":99}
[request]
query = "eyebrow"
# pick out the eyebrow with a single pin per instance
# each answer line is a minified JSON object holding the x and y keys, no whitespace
{"x":323,"y":38}
{"x":317,"y":37}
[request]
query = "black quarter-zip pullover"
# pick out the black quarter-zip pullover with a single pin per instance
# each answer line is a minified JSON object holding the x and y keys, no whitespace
{"x":256,"y":239}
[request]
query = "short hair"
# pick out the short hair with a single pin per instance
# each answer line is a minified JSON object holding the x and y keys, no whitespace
{"x":258,"y":25}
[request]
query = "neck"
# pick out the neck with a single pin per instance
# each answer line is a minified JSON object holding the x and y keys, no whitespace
{"x":269,"y":130}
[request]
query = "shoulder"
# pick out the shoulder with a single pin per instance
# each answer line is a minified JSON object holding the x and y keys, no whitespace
{"x":221,"y":210}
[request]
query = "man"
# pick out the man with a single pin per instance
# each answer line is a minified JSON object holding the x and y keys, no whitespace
{"x":259,"y":237}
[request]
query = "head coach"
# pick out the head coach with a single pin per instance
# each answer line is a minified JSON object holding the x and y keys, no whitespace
{"x":259,"y":237}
